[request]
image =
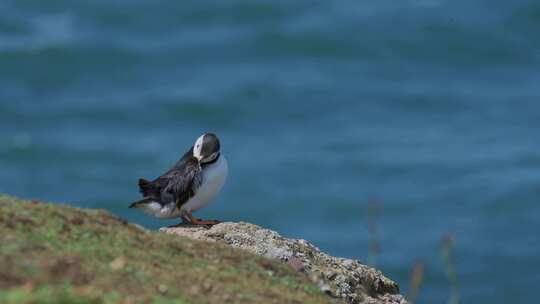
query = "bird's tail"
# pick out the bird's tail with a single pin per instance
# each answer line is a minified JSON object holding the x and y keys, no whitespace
{"x":148,"y":188}
{"x":140,"y":203}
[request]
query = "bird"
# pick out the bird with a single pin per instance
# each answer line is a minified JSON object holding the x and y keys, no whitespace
{"x":191,"y":183}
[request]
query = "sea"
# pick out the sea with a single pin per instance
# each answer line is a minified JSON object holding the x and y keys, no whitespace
{"x":405,"y":134}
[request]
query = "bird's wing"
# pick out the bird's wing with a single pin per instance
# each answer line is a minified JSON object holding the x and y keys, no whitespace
{"x":183,"y":181}
{"x":177,"y":185}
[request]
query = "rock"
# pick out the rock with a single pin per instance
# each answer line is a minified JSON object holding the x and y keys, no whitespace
{"x":339,"y":277}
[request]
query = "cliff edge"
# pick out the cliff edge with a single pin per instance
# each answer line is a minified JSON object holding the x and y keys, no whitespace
{"x":341,"y":278}
{"x":52,"y":253}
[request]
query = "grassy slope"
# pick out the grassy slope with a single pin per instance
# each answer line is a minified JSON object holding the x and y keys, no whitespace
{"x":59,"y":254}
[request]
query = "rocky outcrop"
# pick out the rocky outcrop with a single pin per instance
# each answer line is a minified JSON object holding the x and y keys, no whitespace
{"x":338,"y":277}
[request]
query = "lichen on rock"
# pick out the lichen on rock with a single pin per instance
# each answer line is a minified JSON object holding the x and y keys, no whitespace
{"x":338,"y":277}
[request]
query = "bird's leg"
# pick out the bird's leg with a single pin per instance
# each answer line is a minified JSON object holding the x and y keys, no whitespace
{"x":185,"y":220}
{"x":196,"y":221}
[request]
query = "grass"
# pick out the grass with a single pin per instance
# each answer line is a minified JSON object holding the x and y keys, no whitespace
{"x":447,"y":244}
{"x":52,"y":253}
{"x":417,"y":276}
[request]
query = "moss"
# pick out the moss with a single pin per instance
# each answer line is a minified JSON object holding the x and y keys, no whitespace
{"x":59,"y":254}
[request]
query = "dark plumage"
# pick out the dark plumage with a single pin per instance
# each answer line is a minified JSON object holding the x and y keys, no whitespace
{"x":210,"y":144}
{"x":176,"y":185}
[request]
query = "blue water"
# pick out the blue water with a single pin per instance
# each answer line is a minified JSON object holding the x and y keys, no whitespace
{"x":431,"y":108}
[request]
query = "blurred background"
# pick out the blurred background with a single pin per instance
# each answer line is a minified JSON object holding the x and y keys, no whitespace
{"x":429,"y":109}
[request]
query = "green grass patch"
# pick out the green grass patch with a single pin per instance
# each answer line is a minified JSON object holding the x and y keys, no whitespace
{"x":59,"y":254}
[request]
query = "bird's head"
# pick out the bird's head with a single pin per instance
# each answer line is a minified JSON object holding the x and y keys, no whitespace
{"x":206,"y":148}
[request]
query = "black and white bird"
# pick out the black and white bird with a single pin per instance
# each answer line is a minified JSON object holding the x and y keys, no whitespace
{"x":189,"y":185}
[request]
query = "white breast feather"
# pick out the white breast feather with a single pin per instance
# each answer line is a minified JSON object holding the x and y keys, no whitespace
{"x":214,"y":177}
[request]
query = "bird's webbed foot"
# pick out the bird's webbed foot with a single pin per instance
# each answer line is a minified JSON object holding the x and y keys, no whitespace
{"x":190,"y":219}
